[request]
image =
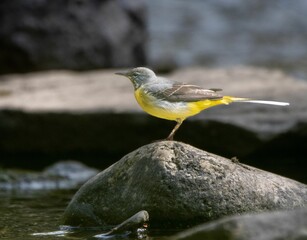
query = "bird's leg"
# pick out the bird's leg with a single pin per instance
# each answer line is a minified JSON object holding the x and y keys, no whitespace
{"x":171,"y":135}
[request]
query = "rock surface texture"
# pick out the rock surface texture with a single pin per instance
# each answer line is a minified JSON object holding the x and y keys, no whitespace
{"x":281,"y":225}
{"x":178,"y":184}
{"x":38,"y":35}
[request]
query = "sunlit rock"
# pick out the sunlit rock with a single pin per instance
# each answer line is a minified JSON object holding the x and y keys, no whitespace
{"x":178,"y":184}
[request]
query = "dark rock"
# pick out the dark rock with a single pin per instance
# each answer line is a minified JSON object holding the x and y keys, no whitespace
{"x":62,"y":175}
{"x":278,"y":150}
{"x":131,"y":224}
{"x":36,"y":35}
{"x":179,"y":185}
{"x":281,"y":225}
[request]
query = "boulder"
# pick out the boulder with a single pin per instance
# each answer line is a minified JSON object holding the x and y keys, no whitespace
{"x":179,"y":185}
{"x":37,"y":35}
{"x":281,"y":225}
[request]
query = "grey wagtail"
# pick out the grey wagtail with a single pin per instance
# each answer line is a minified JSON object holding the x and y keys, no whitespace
{"x":167,"y":99}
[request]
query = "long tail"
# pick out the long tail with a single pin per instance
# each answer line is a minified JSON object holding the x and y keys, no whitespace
{"x":229,"y":99}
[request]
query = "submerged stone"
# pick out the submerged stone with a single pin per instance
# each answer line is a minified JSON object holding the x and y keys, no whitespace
{"x":281,"y":225}
{"x":131,"y":224}
{"x":61,"y":175}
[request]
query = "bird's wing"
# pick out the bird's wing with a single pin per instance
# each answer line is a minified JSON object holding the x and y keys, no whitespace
{"x":188,"y":93}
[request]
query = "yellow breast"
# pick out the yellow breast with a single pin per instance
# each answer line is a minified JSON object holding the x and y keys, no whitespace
{"x":161,"y":108}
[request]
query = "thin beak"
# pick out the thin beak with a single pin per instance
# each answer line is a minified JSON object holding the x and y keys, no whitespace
{"x":125,"y":73}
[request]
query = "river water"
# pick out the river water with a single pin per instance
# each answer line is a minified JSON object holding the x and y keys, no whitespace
{"x":26,"y":212}
{"x":37,"y":215}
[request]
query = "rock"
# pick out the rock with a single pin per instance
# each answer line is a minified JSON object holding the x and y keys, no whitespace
{"x":99,"y":91}
{"x":61,"y":175}
{"x":281,"y":225}
{"x":179,"y":185}
{"x":225,"y":33}
{"x":278,"y":150}
{"x":64,"y":114}
{"x":37,"y":35}
{"x":131,"y":224}
{"x":71,"y":170}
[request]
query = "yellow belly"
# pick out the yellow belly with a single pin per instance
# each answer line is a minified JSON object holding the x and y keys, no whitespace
{"x":160,"y":108}
{"x":172,"y":110}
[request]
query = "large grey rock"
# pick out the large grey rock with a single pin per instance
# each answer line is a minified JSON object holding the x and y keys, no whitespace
{"x":178,"y":184}
{"x":281,"y":225}
{"x":218,"y":33}
{"x":36,"y":35}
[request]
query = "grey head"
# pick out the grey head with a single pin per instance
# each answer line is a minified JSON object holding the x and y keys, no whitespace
{"x":139,"y":76}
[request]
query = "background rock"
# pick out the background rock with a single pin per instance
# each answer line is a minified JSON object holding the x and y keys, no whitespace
{"x":36,"y":35}
{"x":177,"y":185}
{"x":101,"y":91}
{"x":79,"y":34}
{"x":222,"y":33}
{"x":282,"y":225}
{"x":61,"y":175}
{"x":93,"y":117}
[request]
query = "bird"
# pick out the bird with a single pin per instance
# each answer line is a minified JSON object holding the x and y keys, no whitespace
{"x":167,"y":99}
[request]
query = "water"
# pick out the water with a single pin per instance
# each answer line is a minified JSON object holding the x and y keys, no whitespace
{"x":37,"y":215}
{"x":24,"y":213}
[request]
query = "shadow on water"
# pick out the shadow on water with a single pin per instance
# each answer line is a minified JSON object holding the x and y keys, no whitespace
{"x":37,"y":215}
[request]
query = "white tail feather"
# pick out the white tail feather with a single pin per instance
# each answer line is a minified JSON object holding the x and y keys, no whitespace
{"x":267,"y":102}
